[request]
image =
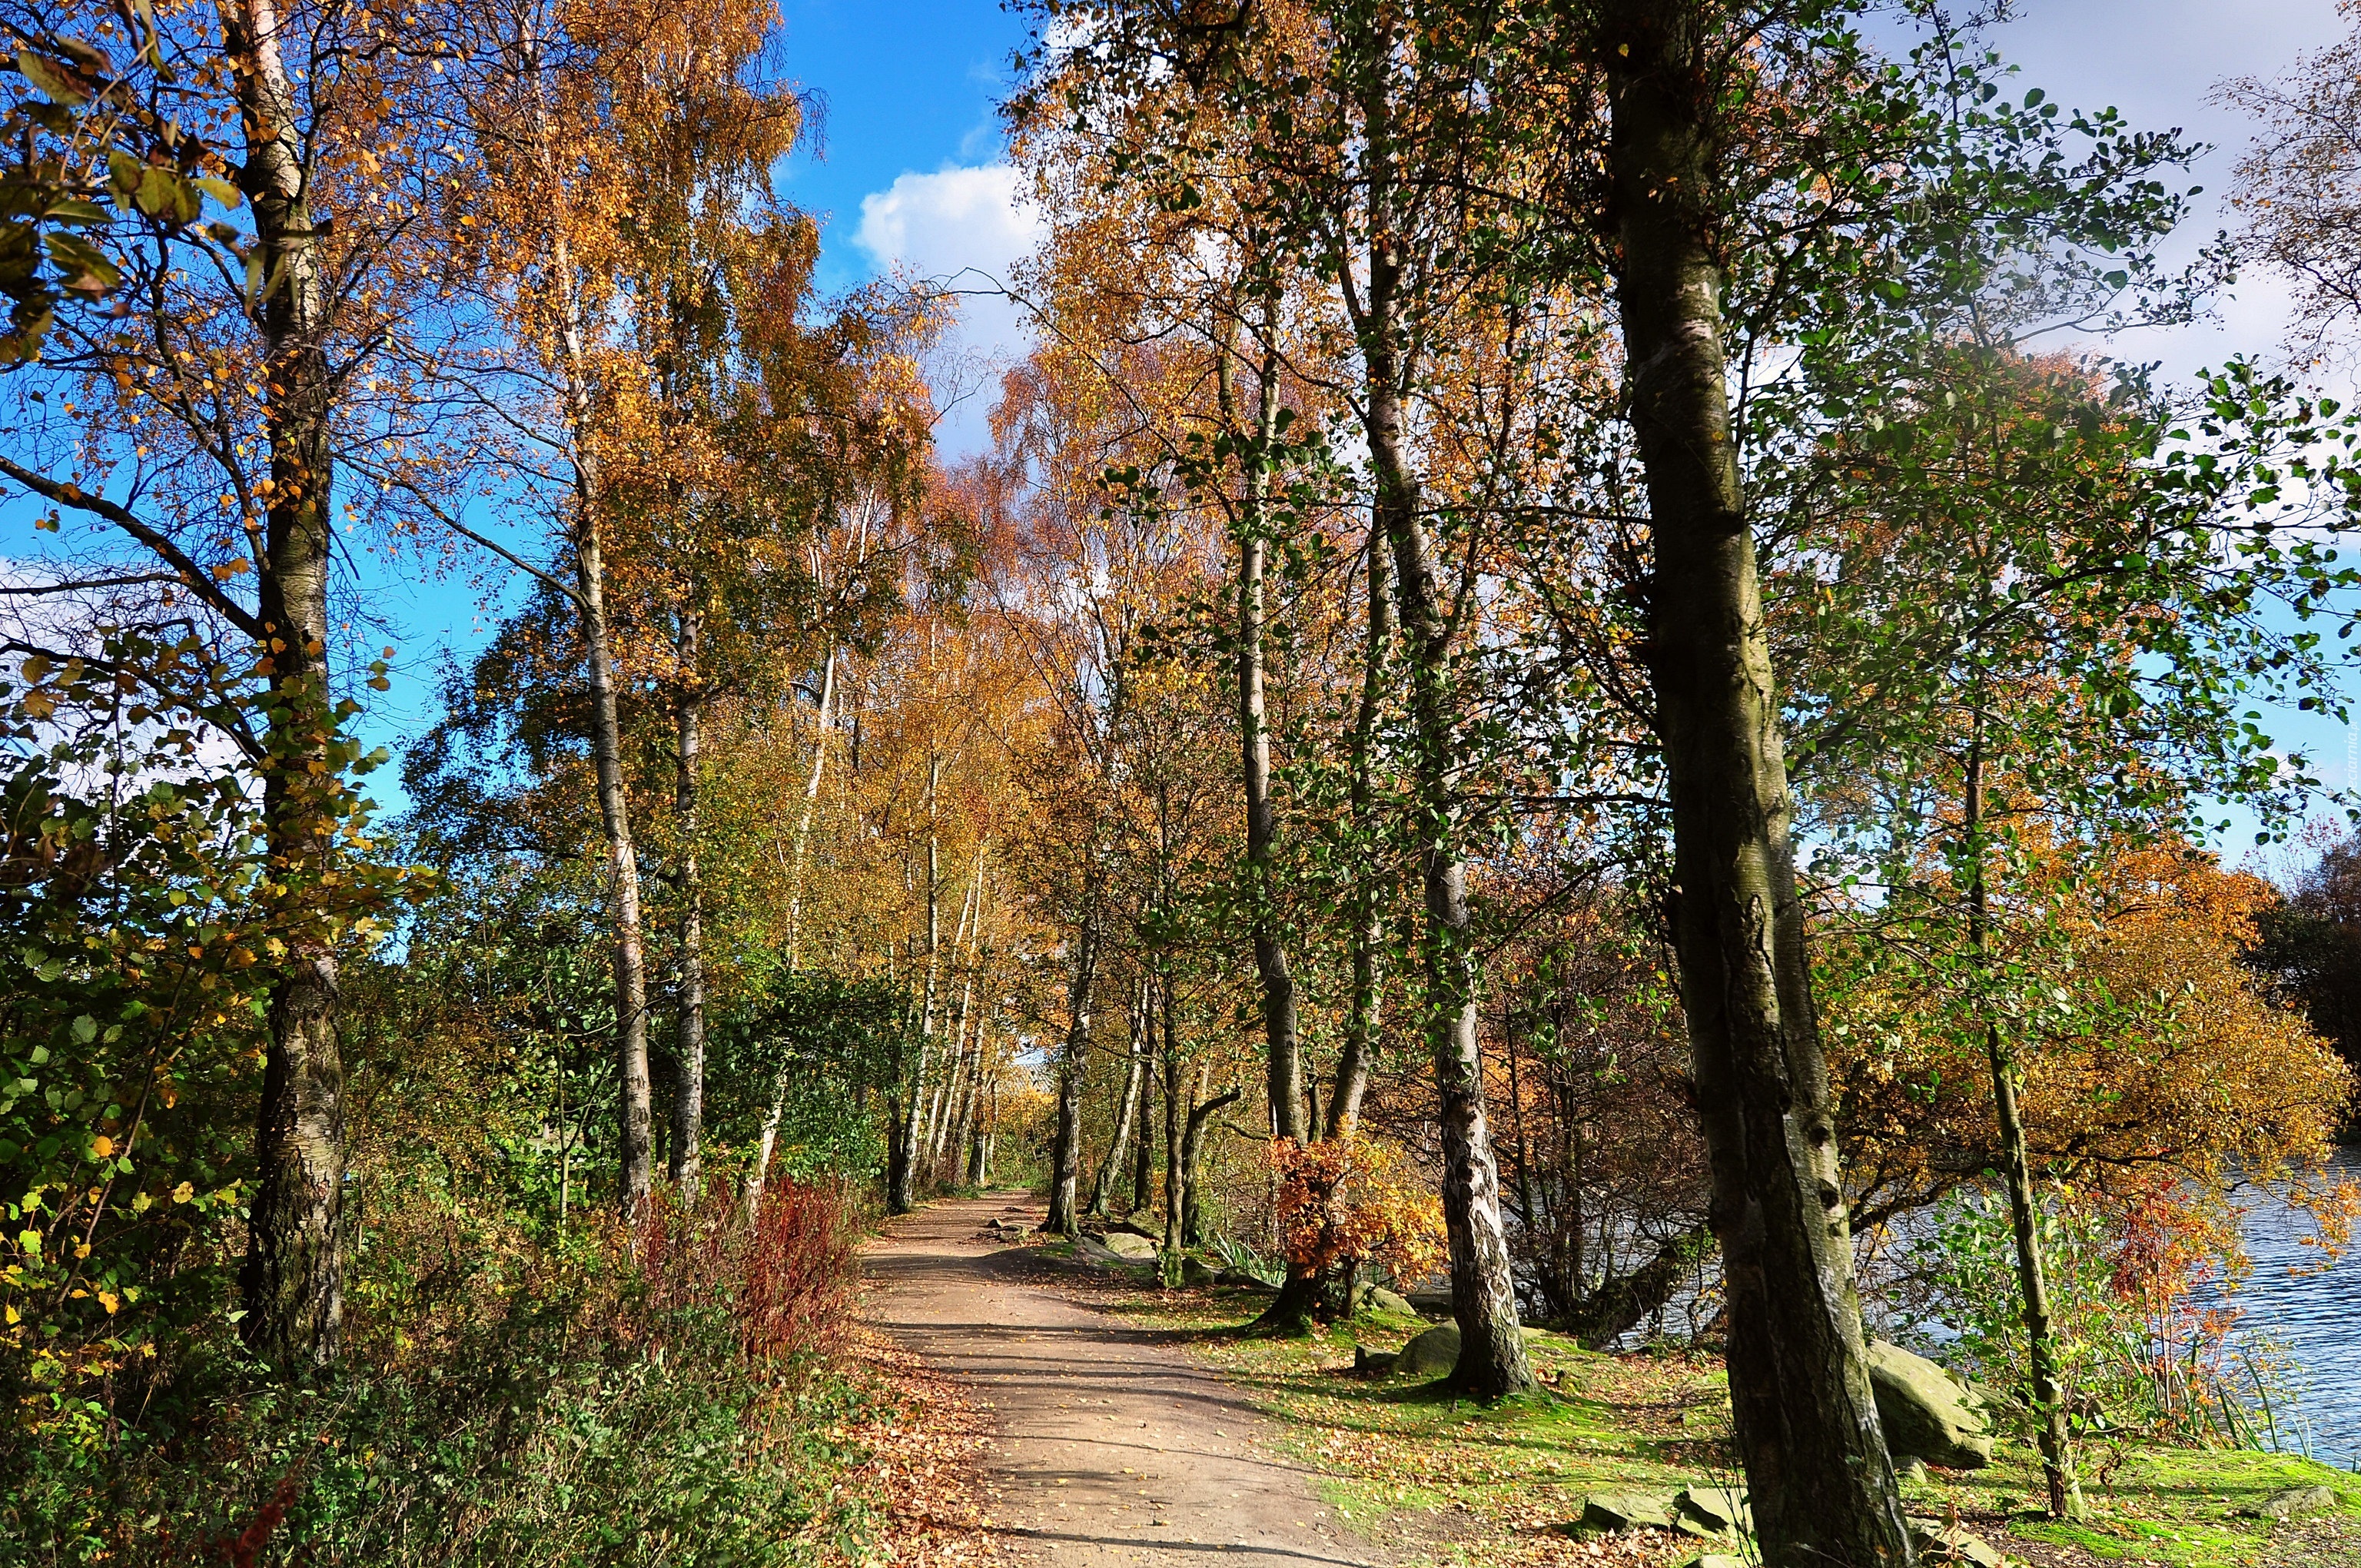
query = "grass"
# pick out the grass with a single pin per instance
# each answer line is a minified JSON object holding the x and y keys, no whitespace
{"x":1447,"y":1480}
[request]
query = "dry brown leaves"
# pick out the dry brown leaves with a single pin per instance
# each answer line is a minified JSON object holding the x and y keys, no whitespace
{"x":924,"y":1472}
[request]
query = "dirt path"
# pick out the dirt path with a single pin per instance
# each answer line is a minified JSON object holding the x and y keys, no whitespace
{"x":1114,"y":1446}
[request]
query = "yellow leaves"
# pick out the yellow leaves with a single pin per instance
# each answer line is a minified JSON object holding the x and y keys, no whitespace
{"x":101,"y":1148}
{"x":108,"y":1299}
{"x":183,"y":1193}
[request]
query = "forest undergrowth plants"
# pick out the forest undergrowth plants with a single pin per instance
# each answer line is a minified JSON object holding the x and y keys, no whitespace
{"x":2149,"y":1341}
{"x":142,"y":921}
{"x":680,"y":1403}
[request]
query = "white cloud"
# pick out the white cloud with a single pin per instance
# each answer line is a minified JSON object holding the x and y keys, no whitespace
{"x":964,"y":227}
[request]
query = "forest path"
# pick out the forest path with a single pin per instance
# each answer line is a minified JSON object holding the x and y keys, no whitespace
{"x":1111,"y":1444}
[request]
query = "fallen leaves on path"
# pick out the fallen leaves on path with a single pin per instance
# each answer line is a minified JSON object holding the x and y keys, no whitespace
{"x":923,"y":1475}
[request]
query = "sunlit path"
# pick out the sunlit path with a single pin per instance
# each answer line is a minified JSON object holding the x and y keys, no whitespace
{"x":1113,"y":1446}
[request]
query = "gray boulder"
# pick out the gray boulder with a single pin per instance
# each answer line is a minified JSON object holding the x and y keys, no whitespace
{"x":1627,"y":1510}
{"x":1431,"y":1354}
{"x":2295,"y":1503}
{"x":1130,"y":1247}
{"x":1434,"y":1353}
{"x":1937,"y":1542}
{"x":1717,"y":1560}
{"x":1380,"y":1299}
{"x":1928,"y":1412}
{"x":1719,"y":1509}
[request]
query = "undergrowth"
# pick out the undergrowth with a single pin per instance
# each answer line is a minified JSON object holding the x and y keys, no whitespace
{"x":568,"y":1403}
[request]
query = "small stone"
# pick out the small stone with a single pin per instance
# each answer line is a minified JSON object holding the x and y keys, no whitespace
{"x":1374,"y":1362}
{"x":2295,"y":1503}
{"x":1716,"y":1559}
{"x":1911,"y":1469}
{"x":1627,"y":1510}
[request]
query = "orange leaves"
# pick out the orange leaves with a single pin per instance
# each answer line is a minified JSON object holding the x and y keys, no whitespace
{"x":1349,"y":1203}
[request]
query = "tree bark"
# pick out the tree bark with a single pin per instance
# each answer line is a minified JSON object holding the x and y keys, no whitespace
{"x":1821,"y":1483}
{"x":2025,"y":1214}
{"x":1193,"y":1146}
{"x":900,"y":1198}
{"x":1359,"y":1049}
{"x":1176,"y":1126}
{"x":291,"y":1285}
{"x":1134,"y":1069}
{"x":769,"y":1142}
{"x":1143,"y":1166}
{"x":688,"y":1083}
{"x":634,"y":1114}
{"x":1282,"y":1047}
{"x":1493,"y":1360}
{"x":1066,"y":1152}
{"x":636,"y":1108}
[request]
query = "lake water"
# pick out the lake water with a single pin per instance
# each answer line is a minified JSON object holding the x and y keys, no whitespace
{"x":2316,"y":1316}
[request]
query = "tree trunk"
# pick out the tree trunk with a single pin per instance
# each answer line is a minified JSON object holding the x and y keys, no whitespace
{"x":634,"y":1113}
{"x":1483,"y":1291}
{"x":1102,"y":1184}
{"x":1066,"y":1153}
{"x":1283,"y":1050}
{"x":688,"y":1084}
{"x":1193,"y":1144}
{"x":2025,"y":1215}
{"x":291,"y":1285}
{"x":1176,"y":1126}
{"x":1806,"y":1427}
{"x":1354,"y":1060}
{"x":769,"y":1141}
{"x":900,"y":1200}
{"x":1143,"y":1165}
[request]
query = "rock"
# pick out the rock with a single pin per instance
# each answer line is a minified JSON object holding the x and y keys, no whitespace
{"x":1719,"y":1509}
{"x":1196,"y":1271}
{"x":1927,"y":1413}
{"x":1429,"y":1355}
{"x":1434,"y":1353}
{"x":1910,"y":1470}
{"x":1134,"y":1228}
{"x":1090,"y":1249}
{"x":1628,"y":1510}
{"x":1381,"y":1299}
{"x":1716,"y":1559}
{"x":2295,"y":1503}
{"x":1374,"y":1362}
{"x":1010,"y":1230}
{"x":1240,"y":1278}
{"x":1131,"y":1248}
{"x":1939,"y":1543}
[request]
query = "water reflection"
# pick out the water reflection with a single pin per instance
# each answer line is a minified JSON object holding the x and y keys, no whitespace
{"x":2317,"y":1317}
